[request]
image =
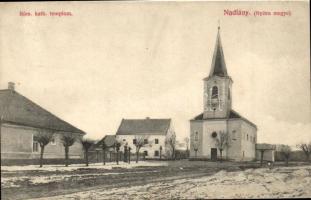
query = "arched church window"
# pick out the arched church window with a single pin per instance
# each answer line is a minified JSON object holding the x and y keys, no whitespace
{"x":196,"y":136}
{"x":215,"y":92}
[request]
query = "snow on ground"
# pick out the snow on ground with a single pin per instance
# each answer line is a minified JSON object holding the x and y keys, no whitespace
{"x":79,"y":166}
{"x":7,"y":182}
{"x":15,"y":181}
{"x":251,"y":183}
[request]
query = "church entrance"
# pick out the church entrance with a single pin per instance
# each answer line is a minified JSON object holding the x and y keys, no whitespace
{"x":214,"y":154}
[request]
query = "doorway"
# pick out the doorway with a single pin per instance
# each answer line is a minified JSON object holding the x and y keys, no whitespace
{"x":214,"y":154}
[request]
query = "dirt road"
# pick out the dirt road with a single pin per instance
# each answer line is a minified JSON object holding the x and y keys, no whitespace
{"x":146,"y":181}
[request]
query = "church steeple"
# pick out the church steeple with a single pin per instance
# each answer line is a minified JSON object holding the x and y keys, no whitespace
{"x":217,"y":86}
{"x":218,"y":67}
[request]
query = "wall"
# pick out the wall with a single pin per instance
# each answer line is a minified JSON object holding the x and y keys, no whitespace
{"x":268,"y":155}
{"x":210,"y":126}
{"x":57,"y":150}
{"x":238,"y":141}
{"x":17,"y":142}
{"x":151,"y":147}
{"x":196,"y":126}
{"x":248,"y":143}
{"x":235,"y":138}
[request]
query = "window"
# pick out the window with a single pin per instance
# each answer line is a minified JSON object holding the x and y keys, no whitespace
{"x":233,"y":135}
{"x":134,"y":141}
{"x":247,"y":137}
{"x":124,"y":140}
{"x":214,"y":134}
{"x":53,"y":141}
{"x":215,"y":92}
{"x":35,"y":144}
{"x":196,"y":136}
{"x":146,"y":153}
{"x":156,"y":153}
{"x":35,"y":147}
{"x":145,"y":141}
{"x":156,"y":141}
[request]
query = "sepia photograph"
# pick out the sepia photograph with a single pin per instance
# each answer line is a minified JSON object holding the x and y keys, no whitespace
{"x":155,"y":100}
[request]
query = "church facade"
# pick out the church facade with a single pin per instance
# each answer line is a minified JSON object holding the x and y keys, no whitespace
{"x":220,"y":132}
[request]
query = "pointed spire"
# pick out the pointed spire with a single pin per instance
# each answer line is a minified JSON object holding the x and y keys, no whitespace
{"x":218,"y":67}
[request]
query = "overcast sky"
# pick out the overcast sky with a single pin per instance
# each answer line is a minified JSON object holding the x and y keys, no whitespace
{"x":114,"y":60}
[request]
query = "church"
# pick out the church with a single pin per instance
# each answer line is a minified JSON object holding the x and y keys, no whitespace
{"x":219,"y":132}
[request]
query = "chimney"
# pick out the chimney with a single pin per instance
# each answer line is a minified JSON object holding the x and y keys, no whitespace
{"x":11,"y":86}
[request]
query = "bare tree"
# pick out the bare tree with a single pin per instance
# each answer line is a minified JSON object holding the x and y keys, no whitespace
{"x":68,"y":140}
{"x":43,"y":138}
{"x":125,"y":152}
{"x":306,"y":148}
{"x":140,"y":141}
{"x":222,"y":142}
{"x":285,"y":151}
{"x":195,"y":148}
{"x":86,"y":143}
{"x":187,"y":140}
{"x":117,"y":146}
{"x":129,"y":156}
{"x":171,"y":141}
{"x":104,"y":147}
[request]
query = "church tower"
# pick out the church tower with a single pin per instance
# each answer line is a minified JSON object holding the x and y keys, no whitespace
{"x":219,"y":121}
{"x":217,"y":86}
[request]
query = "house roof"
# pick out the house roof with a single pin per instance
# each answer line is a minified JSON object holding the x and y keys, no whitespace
{"x":144,"y":126}
{"x":232,"y":115}
{"x":218,"y":67}
{"x":265,"y":146}
{"x":109,"y":140}
{"x":17,"y":109}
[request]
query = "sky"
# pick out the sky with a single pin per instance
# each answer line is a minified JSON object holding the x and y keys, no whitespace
{"x":132,"y":60}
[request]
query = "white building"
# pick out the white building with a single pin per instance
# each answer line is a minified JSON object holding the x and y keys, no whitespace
{"x":154,"y":132}
{"x":219,"y":124}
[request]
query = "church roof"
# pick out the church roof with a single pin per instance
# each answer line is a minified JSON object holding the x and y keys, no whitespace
{"x":144,"y":126}
{"x":17,"y":109}
{"x":232,"y":115}
{"x":218,"y":67}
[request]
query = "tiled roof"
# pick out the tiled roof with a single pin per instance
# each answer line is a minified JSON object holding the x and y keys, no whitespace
{"x":232,"y":115}
{"x":143,"y":126}
{"x":17,"y":109}
{"x":265,"y":146}
{"x":109,"y":140}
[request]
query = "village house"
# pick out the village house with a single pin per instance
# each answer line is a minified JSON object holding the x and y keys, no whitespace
{"x":218,"y":122}
{"x":154,"y":132}
{"x":265,"y":151}
{"x":97,"y":149}
{"x":22,"y":120}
